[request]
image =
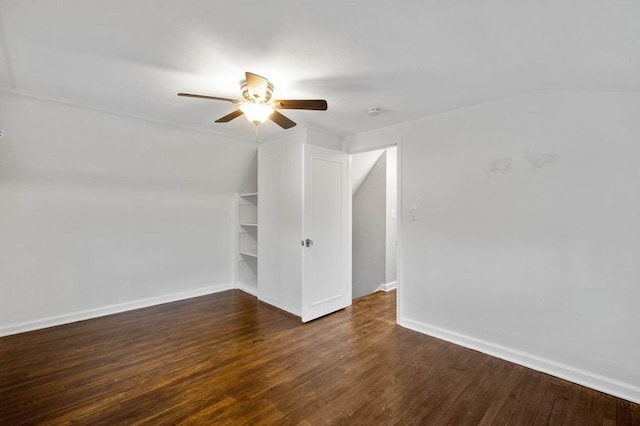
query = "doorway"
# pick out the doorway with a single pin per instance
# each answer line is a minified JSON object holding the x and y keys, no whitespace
{"x":374,"y":224}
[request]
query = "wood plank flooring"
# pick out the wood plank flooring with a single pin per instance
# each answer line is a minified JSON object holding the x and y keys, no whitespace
{"x":229,"y":359}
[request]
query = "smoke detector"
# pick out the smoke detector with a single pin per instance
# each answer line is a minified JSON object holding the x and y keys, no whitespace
{"x":373,"y":111}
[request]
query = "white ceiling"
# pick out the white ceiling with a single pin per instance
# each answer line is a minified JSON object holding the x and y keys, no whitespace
{"x":411,"y":58}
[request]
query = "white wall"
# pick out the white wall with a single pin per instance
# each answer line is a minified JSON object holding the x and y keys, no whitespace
{"x":360,"y":165}
{"x":527,"y":243}
{"x":100,"y":213}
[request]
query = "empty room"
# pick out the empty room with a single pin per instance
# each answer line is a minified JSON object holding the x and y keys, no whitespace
{"x":319,"y":212}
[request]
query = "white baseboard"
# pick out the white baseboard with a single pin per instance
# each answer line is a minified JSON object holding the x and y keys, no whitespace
{"x":108,"y":310}
{"x":247,"y":289}
{"x":271,"y":302}
{"x":387,"y":287}
{"x":585,"y":378}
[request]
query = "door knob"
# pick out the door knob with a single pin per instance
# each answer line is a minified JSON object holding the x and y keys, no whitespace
{"x":308,"y":243}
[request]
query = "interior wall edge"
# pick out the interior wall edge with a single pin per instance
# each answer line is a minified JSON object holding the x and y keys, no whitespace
{"x":386,"y":136}
{"x":87,"y":314}
{"x":21,"y":94}
{"x":585,"y":378}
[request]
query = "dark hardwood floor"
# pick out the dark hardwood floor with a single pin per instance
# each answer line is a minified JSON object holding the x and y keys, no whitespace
{"x":229,"y":359}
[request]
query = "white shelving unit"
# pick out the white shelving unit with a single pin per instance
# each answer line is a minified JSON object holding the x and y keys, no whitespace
{"x":247,"y":258}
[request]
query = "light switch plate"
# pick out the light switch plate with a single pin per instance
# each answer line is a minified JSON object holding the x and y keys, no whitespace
{"x":413,"y":214}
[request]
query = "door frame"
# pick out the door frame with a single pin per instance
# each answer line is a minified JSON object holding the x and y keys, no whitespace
{"x":358,"y":150}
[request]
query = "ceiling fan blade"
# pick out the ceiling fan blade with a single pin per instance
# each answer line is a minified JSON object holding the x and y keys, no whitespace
{"x":215,"y":98}
{"x":257,"y":85}
{"x":235,"y":114}
{"x":281,"y":120}
{"x":312,"y":104}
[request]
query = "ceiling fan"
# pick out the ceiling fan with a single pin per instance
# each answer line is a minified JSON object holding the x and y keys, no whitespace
{"x":257,"y":105}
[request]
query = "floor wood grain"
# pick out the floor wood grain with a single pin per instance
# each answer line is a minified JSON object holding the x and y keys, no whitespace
{"x":229,"y":359}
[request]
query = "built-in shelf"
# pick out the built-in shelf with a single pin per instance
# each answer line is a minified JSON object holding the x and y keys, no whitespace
{"x":250,"y":253}
{"x":247,"y":248}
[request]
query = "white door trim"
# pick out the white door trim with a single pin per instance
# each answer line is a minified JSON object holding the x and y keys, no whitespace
{"x":398,"y":144}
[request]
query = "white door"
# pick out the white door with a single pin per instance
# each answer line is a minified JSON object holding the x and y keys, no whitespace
{"x":325,"y":284}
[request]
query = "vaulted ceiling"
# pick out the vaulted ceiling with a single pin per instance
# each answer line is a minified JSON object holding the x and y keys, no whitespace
{"x":411,"y":58}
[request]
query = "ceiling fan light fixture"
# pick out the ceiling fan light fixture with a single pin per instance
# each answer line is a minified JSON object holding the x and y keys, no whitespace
{"x":256,"y":112}
{"x":257,"y":105}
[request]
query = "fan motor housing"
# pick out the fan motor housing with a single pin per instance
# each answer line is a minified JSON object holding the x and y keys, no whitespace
{"x":252,"y":97}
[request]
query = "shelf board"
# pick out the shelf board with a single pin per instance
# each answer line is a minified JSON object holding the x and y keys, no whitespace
{"x":248,"y":224}
{"x":251,"y":253}
{"x":248,"y":194}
